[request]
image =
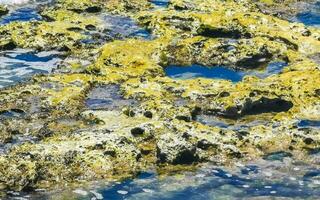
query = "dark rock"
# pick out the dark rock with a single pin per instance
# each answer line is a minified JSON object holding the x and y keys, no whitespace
{"x":93,"y":9}
{"x":266,"y":105}
{"x":137,"y":131}
{"x":215,"y":32}
{"x":148,"y":114}
{"x":91,"y":27}
{"x":308,"y":141}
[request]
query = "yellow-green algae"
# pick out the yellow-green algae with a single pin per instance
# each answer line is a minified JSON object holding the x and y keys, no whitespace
{"x":76,"y":144}
{"x":3,"y":10}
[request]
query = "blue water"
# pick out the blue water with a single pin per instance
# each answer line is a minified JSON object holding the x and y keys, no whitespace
{"x":311,"y":17}
{"x":220,"y":72}
{"x":21,"y":14}
{"x":11,"y":114}
{"x":18,"y":65}
{"x":160,"y":3}
{"x":309,"y":124}
{"x":276,"y":176}
{"x":120,"y":26}
{"x":268,"y":178}
{"x":107,"y":97}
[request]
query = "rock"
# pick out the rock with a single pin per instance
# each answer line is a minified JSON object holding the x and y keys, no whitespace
{"x":3,"y":10}
{"x":137,"y":131}
{"x":175,"y":150}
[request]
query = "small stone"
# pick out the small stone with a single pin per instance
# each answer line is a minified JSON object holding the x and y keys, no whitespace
{"x":273,"y":192}
{"x":147,"y":190}
{"x":268,"y":187}
{"x":292,"y":178}
{"x":200,"y":175}
{"x":81,"y":192}
{"x":123,"y":192}
{"x":40,"y":190}
{"x":246,"y":186}
{"x":148,"y":114}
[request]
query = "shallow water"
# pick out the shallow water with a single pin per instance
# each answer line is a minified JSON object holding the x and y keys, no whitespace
{"x":277,"y":175}
{"x":221,"y":72}
{"x":160,"y":3}
{"x":21,"y":14}
{"x":18,"y":65}
{"x":309,"y":124}
{"x":11,"y":114}
{"x":121,"y":26}
{"x":241,"y":124}
{"x":264,"y":178}
{"x":107,"y":97}
{"x":311,"y":15}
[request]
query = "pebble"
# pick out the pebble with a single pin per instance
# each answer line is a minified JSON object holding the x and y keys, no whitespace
{"x":292,"y":178}
{"x":81,"y":192}
{"x":200,"y":175}
{"x":215,"y":171}
{"x":296,"y":168}
{"x":123,"y":192}
{"x":246,"y":186}
{"x":229,"y":175}
{"x":273,"y":192}
{"x":147,"y":190}
{"x":267,"y":186}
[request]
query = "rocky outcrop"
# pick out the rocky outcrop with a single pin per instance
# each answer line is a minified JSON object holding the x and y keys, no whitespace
{"x":74,"y":141}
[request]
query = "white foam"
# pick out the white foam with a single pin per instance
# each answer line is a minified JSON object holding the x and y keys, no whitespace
{"x":14,"y":2}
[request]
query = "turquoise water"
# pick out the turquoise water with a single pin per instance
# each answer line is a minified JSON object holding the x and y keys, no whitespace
{"x":220,"y":72}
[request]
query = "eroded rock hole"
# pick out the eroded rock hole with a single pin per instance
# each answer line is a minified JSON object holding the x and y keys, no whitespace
{"x":215,"y":32}
{"x":266,"y":105}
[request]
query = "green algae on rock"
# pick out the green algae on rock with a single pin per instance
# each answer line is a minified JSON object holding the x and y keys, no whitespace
{"x":3,"y":10}
{"x":76,"y":143}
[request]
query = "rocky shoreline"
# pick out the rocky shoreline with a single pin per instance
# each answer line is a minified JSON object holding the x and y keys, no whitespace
{"x":150,"y":120}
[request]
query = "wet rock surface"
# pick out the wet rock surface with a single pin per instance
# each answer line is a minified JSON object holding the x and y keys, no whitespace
{"x":112,"y":110}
